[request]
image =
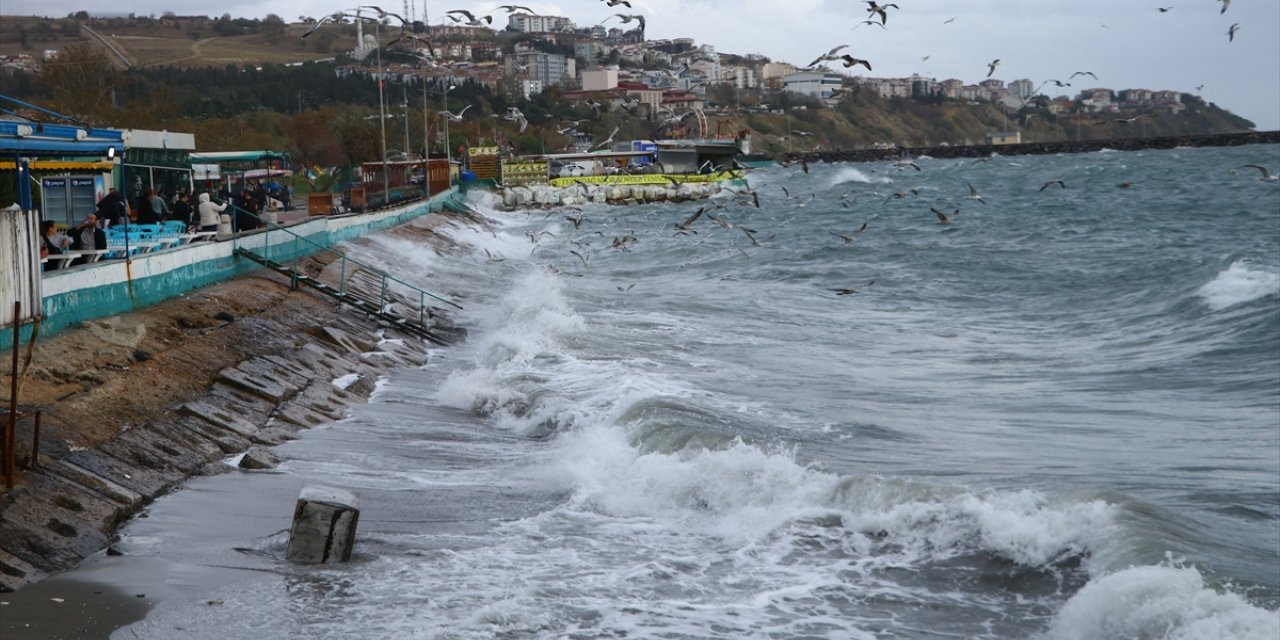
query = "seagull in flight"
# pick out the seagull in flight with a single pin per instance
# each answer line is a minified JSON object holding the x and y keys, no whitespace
{"x":850,"y":61}
{"x":628,"y":18}
{"x":1131,"y":120}
{"x":1053,"y":182}
{"x":455,"y":117}
{"x":991,"y":67}
{"x":514,"y":115}
{"x":830,"y":55}
{"x":685,"y":227}
{"x":384,"y":14}
{"x":944,"y":218}
{"x":1231,"y":33}
{"x":879,"y":9}
{"x":614,"y":3}
{"x":607,"y":141}
{"x":973,"y":194}
{"x":1225,"y":4}
{"x":512,"y":8}
{"x":333,"y":17}
{"x":849,"y":238}
{"x":844,"y":291}
{"x":1163,"y":9}
{"x":1083,"y":73}
{"x":472,"y":21}
{"x":1266,"y":175}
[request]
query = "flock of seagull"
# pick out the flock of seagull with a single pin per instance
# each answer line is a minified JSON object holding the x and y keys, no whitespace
{"x":747,"y":198}
{"x":880,"y":11}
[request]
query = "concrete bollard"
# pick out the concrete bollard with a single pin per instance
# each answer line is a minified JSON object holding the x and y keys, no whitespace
{"x":224,"y":226}
{"x":324,"y":526}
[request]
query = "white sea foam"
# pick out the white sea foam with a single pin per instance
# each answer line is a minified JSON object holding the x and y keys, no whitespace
{"x":1239,"y":283}
{"x":343,"y":382}
{"x":849,"y":174}
{"x":1166,"y":602}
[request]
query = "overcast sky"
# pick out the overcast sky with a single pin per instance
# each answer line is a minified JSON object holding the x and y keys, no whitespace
{"x":1126,"y":43}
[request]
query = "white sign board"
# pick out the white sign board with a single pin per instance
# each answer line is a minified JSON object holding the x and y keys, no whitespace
{"x":206,"y":172}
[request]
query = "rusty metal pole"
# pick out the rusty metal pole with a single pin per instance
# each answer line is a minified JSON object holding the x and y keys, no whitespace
{"x":35,"y":444}
{"x":12,"y":428}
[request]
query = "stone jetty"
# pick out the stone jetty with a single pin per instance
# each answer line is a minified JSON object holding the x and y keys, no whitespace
{"x":523,"y":197}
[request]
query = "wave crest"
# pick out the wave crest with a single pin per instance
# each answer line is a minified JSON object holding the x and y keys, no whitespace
{"x":1238,"y":284}
{"x":1166,"y":602}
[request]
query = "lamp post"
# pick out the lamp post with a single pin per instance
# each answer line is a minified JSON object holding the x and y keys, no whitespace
{"x":448,"y":149}
{"x":382,"y":111}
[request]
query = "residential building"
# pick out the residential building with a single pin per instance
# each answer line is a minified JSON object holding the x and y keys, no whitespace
{"x":951,"y":88}
{"x":599,"y":79}
{"x":776,"y":70}
{"x":526,"y":23}
{"x":1004,"y":137}
{"x":818,"y":84}
{"x":1022,"y":89}
{"x":550,"y":69}
{"x":921,"y":87}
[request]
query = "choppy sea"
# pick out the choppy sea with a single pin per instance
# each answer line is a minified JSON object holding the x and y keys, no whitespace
{"x":1056,"y":417}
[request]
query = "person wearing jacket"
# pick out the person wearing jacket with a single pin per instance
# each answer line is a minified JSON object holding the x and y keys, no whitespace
{"x":209,"y":213}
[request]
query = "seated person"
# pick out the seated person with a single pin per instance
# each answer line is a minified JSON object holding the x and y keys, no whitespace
{"x":87,"y":236}
{"x":52,"y":243}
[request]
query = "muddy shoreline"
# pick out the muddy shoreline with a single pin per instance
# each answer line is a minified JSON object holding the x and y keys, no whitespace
{"x":138,"y":404}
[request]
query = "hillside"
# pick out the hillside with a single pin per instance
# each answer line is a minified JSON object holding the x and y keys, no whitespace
{"x":189,"y":74}
{"x":183,"y":42}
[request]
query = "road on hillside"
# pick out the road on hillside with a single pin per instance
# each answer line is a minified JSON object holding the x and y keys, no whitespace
{"x":110,"y":47}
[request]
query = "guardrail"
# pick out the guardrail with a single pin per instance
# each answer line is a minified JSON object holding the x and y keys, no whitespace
{"x":386,"y":279}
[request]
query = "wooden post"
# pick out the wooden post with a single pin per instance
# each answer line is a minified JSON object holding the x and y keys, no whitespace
{"x":35,"y":444}
{"x":11,"y":430}
{"x":324,"y":526}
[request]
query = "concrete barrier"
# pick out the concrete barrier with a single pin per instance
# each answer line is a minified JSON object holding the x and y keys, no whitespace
{"x":324,"y":526}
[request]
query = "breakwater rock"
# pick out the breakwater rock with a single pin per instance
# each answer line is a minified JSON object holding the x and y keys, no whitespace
{"x":522,"y":197}
{"x":1040,"y":148}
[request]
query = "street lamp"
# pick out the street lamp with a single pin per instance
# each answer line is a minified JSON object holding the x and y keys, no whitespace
{"x":448,"y":149}
{"x":382,"y":112}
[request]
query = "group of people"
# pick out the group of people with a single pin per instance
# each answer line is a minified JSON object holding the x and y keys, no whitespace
{"x":86,"y":235}
{"x":113,"y":210}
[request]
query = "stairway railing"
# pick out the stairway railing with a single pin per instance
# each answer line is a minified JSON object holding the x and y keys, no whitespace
{"x":385,"y":279}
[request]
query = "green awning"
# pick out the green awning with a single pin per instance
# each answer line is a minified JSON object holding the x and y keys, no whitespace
{"x":214,"y":157}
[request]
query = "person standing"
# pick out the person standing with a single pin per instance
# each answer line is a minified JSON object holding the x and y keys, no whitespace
{"x":112,"y":209}
{"x":209,"y":212}
{"x":154,"y":209}
{"x":182,"y":210}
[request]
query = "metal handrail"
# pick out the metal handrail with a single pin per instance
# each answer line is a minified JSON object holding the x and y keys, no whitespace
{"x":342,"y":281}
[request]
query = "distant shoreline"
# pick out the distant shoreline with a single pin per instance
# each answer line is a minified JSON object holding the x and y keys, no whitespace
{"x":1039,"y":148}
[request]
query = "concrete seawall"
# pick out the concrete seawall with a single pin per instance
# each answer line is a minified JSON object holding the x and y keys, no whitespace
{"x":299,"y":350}
{"x":1041,"y":148}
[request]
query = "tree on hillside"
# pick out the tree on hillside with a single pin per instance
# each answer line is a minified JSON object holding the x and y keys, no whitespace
{"x":312,"y":140}
{"x":81,"y":82}
{"x":273,"y":24}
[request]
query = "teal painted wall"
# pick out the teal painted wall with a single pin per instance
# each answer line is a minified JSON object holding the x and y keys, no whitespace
{"x":73,"y":307}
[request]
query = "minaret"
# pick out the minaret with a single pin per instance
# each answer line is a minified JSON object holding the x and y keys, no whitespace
{"x":359,"y":31}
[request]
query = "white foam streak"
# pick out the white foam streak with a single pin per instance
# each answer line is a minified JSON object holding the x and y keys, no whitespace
{"x":1239,"y":283}
{"x":744,"y":493}
{"x":1170,"y":603}
{"x":850,"y":174}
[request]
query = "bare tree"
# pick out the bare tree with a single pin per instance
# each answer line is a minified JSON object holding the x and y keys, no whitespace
{"x":81,"y":81}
